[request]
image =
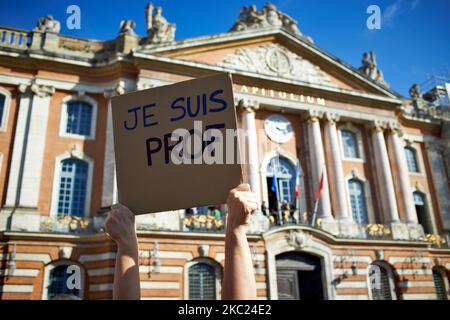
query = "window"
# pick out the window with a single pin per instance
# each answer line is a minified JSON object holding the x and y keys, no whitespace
{"x":380,"y":282}
{"x":283,"y":190}
{"x":79,"y":118}
{"x":350,"y":144}
{"x":357,"y":201}
{"x":422,"y":212}
{"x":411,"y":159}
{"x":72,"y":188}
{"x":58,"y":283}
{"x":2,"y":109}
{"x":439,"y":283}
{"x":202,"y":282}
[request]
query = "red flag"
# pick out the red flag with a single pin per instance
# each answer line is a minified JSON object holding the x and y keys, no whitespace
{"x":320,"y":187}
{"x":297,"y":182}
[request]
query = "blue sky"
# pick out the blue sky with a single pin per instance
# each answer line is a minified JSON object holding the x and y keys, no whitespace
{"x":413,"y":42}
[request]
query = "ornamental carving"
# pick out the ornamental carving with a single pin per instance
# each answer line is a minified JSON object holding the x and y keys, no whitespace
{"x":249,"y":18}
{"x":127,"y":27}
{"x":275,"y":60}
{"x":370,"y":68}
{"x":298,"y":239}
{"x":48,"y":24}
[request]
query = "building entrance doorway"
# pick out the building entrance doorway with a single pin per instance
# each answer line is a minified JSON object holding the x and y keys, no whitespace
{"x":299,"y":276}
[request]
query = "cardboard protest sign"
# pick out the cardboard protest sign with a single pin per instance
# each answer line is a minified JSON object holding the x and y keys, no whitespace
{"x":174,"y":145}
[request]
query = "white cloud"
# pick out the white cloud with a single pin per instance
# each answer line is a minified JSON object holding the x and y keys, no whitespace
{"x":397,"y":8}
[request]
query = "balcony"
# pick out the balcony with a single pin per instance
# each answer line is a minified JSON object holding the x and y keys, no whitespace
{"x":14,"y":38}
{"x":208,"y":223}
{"x":72,"y":224}
{"x":203,"y":223}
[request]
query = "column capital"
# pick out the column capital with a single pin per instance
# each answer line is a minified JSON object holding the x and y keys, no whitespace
{"x":247,"y":105}
{"x":42,"y":90}
{"x":120,"y":87}
{"x":117,"y":90}
{"x":331,"y":117}
{"x":378,"y":125}
{"x":314,"y":115}
{"x":22,"y":87}
{"x":394,"y":127}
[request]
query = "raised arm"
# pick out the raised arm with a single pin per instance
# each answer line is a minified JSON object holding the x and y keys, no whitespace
{"x":120,"y":226}
{"x":239,"y":279}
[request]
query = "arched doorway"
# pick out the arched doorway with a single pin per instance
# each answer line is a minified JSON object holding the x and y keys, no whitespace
{"x":299,"y":276}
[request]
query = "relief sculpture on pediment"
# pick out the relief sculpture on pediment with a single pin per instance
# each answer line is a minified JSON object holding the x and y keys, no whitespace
{"x":275,"y":60}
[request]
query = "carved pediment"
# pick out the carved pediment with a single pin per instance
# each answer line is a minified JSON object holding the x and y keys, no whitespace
{"x":276,"y":60}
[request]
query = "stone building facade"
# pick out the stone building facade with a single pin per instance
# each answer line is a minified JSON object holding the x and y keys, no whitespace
{"x":382,"y":223}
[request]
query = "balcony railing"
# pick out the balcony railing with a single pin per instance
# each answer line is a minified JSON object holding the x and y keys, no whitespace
{"x":72,"y":224}
{"x":203,"y":223}
{"x":14,"y":38}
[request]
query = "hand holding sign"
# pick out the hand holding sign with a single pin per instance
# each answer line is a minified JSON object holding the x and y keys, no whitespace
{"x":172,"y":142}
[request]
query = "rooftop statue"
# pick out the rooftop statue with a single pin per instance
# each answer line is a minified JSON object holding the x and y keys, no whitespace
{"x":127,"y":27}
{"x":158,"y":29}
{"x":268,"y":16}
{"x":418,"y":102}
{"x":414,"y":92}
{"x":369,"y":68}
{"x":48,"y":24}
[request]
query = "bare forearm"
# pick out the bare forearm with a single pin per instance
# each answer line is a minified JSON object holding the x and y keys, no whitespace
{"x":126,"y":276}
{"x":239,"y":279}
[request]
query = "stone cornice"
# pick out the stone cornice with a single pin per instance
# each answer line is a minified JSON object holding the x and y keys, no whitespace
{"x":102,"y":237}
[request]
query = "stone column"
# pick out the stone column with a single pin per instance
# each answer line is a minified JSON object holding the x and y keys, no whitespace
{"x":27,"y":158}
{"x":34,"y":153}
{"x":109,"y":161}
{"x":109,"y":192}
{"x":386,"y":184}
{"x":318,"y":165}
{"x":252,"y":147}
{"x":19,"y":145}
{"x":337,"y":171}
{"x":405,"y":196}
{"x":437,"y":153}
{"x":384,"y":174}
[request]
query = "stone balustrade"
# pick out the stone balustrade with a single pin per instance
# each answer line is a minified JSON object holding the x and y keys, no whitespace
{"x":14,"y":38}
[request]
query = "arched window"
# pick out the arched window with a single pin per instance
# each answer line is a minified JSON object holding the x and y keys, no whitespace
{"x":350,"y":144}
{"x":411,"y":159}
{"x":283,"y":189}
{"x":440,"y":279}
{"x":422,"y":211}
{"x":357,"y":201}
{"x":381,"y":281}
{"x":79,"y":118}
{"x":202,"y":282}
{"x":72,"y":188}
{"x":60,"y":284}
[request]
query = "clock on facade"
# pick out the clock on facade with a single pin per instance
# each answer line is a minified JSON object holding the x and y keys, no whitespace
{"x":278,"y":128}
